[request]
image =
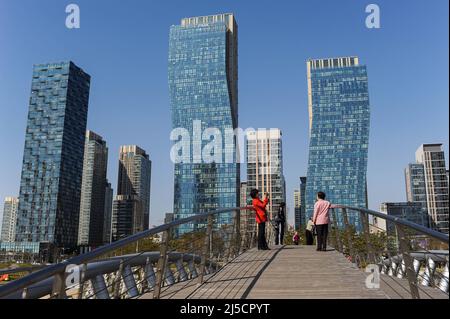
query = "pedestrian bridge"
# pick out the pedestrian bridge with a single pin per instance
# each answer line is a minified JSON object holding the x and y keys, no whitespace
{"x":220,"y":262}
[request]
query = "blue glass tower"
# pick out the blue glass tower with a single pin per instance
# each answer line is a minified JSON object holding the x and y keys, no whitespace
{"x":339,"y":115}
{"x":52,"y":168}
{"x":203,"y":86}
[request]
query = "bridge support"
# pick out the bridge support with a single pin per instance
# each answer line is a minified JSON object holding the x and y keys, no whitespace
{"x":409,"y":264}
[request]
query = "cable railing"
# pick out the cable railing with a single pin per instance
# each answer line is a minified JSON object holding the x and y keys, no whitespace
{"x":403,"y":250}
{"x":136,"y":265}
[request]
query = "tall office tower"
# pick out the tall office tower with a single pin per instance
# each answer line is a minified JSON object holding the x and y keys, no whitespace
{"x":203,"y":85}
{"x":50,"y":188}
{"x":128,"y":216}
{"x":427,"y":183}
{"x":9,"y":219}
{"x":135,"y":170}
{"x":92,"y":204}
{"x":409,"y":211}
{"x":303,"y":200}
{"x":107,"y":219}
{"x":339,"y":119}
{"x":297,"y":210}
{"x":265,"y":166}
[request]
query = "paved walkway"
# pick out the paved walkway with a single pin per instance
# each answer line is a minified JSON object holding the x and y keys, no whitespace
{"x":290,"y":272}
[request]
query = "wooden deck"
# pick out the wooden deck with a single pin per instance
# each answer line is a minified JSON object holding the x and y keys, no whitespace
{"x":291,"y":272}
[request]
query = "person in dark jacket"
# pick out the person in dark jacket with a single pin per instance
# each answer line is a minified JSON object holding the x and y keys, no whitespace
{"x":280,"y":221}
{"x":261,"y":217}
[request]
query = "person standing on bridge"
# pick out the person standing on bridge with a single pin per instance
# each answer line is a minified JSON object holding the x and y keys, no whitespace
{"x":321,"y":220}
{"x":309,"y":232}
{"x":280,"y":221}
{"x":261,"y":217}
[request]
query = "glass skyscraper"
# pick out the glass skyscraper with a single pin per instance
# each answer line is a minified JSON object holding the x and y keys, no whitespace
{"x":50,"y":188}
{"x":203,"y":85}
{"x":339,"y":115}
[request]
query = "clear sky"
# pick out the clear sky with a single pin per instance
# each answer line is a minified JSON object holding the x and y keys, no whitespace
{"x":123,"y":45}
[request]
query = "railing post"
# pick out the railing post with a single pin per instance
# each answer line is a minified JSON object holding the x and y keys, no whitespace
{"x":117,"y":280}
{"x":59,"y":286}
{"x":409,"y":265}
{"x":81,"y":286}
{"x":237,"y":219}
{"x":349,"y":236}
{"x":336,"y":232}
{"x":205,"y":249}
{"x":161,"y":268}
{"x":366,"y":230}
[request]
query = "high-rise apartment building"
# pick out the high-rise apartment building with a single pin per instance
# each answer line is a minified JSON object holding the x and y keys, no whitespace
{"x":297,"y":209}
{"x":92,"y":204}
{"x":339,"y":120}
{"x":107,"y":219}
{"x":9,"y":221}
{"x":135,"y":177}
{"x":128,"y":217}
{"x":203,"y":86}
{"x":50,"y":188}
{"x":265,"y":166}
{"x":427,"y":184}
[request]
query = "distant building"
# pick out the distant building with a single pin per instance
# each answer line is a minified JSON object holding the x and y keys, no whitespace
{"x":297,"y":209}
{"x":107,"y":220}
{"x":92,"y":204}
{"x":134,"y":178}
{"x":427,"y":184}
{"x":339,"y":121}
{"x":265,"y":166}
{"x":168,"y":218}
{"x":409,"y":211}
{"x":9,"y":219}
{"x":128,"y":218}
{"x":50,"y":187}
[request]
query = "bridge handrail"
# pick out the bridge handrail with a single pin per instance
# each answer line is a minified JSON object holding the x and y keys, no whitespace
{"x":55,"y":269}
{"x":399,"y":221}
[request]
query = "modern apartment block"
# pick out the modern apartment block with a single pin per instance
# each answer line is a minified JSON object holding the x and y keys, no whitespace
{"x":427,"y":184}
{"x":265,"y":166}
{"x":50,"y":187}
{"x":203,"y":86}
{"x":339,"y":120}
{"x":408,"y":211}
{"x":107,"y":219}
{"x":297,"y":209}
{"x":92,"y":204}
{"x":134,"y":177}
{"x":128,"y":217}
{"x":9,"y":221}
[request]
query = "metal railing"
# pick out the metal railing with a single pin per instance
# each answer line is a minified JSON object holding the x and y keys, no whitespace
{"x":402,"y":250}
{"x":112,"y":271}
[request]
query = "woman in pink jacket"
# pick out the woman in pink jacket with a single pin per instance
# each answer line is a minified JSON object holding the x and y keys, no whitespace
{"x":321,"y":220}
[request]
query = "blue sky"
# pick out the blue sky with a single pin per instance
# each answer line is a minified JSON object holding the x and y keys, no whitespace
{"x":123,"y":46}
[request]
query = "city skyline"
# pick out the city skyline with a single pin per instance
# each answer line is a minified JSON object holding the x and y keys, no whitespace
{"x":295,"y":139}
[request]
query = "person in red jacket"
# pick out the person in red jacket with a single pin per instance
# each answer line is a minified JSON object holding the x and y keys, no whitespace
{"x":261,"y":217}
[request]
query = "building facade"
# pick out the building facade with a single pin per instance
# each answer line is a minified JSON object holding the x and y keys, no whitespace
{"x":9,"y":222}
{"x":409,"y":211}
{"x":297,"y":210}
{"x":339,"y":118}
{"x":107,"y":220}
{"x":50,"y":188}
{"x":92,"y":204}
{"x":427,"y":184}
{"x":134,"y":178}
{"x":265,"y":166}
{"x":128,"y":217}
{"x":203,"y":86}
